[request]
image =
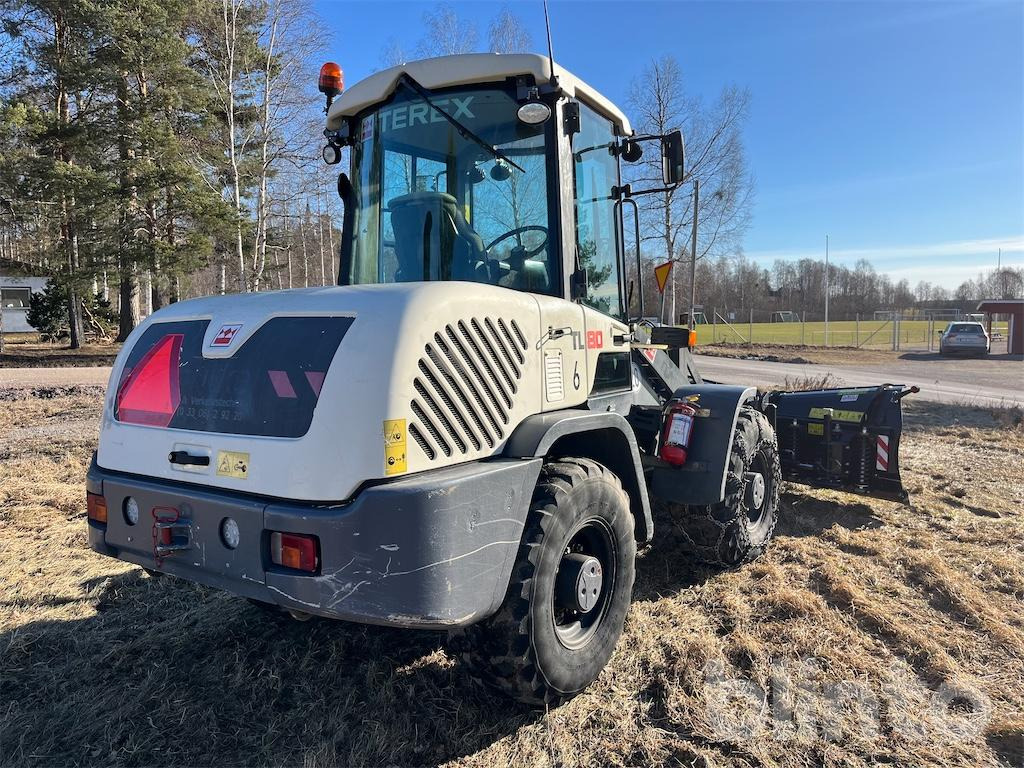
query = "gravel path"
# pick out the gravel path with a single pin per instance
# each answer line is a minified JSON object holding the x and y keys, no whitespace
{"x":974,"y":382}
{"x":53,"y":377}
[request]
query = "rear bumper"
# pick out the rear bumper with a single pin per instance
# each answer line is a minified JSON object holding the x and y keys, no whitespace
{"x":963,"y":349}
{"x":433,"y":550}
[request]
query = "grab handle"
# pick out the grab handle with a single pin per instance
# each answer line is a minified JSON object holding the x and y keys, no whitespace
{"x":184,"y":457}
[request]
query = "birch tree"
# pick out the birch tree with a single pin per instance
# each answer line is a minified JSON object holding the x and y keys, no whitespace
{"x":714,"y":155}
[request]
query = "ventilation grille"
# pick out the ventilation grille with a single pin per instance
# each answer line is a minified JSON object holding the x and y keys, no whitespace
{"x":465,"y":385}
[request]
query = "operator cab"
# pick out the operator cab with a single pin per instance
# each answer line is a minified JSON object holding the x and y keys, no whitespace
{"x":485,"y":168}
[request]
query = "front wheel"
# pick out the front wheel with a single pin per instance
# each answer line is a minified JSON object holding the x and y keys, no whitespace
{"x":569,"y":593}
{"x":739,"y":528}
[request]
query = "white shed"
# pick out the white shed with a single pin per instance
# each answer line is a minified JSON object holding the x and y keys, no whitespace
{"x":15,"y":291}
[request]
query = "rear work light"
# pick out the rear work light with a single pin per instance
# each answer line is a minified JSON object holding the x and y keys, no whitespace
{"x":151,"y":393}
{"x":96,"y":508}
{"x":295,"y":550}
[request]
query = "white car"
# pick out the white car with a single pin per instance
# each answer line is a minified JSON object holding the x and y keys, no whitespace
{"x":965,"y":338}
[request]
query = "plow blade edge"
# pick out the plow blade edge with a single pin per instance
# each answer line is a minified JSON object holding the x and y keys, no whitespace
{"x":848,"y":439}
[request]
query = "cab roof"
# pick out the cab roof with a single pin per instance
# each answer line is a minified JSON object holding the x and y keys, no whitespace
{"x":465,"y":69}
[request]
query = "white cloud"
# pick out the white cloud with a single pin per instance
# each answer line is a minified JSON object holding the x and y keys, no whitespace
{"x":948,"y":263}
{"x":987,"y":248}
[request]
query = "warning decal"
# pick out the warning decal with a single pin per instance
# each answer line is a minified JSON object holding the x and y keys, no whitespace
{"x":882,"y":453}
{"x":233,"y":464}
{"x":837,"y":414}
{"x":394,"y":446}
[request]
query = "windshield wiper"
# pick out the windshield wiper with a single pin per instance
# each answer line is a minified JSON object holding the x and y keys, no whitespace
{"x":464,"y":132}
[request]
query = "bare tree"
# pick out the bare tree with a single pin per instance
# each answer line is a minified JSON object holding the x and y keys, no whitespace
{"x":506,"y":33}
{"x":715,"y":156}
{"x":287,"y":40}
{"x":393,"y":54}
{"x":446,"y":34}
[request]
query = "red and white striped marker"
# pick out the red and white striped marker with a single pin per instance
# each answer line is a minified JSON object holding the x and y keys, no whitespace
{"x":882,"y":453}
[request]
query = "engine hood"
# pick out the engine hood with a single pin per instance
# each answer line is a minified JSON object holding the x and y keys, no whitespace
{"x":426,"y":374}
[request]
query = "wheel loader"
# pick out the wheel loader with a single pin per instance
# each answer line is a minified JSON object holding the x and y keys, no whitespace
{"x":469,"y":431}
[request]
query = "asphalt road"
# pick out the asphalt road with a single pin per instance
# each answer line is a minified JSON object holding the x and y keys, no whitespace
{"x":963,"y":381}
{"x":990,"y":381}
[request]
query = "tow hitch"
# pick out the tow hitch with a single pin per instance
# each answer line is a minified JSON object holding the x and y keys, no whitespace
{"x":172,"y":532}
{"x":847,"y":439}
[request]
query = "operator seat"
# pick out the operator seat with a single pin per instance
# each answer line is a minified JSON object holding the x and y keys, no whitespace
{"x":433,"y":240}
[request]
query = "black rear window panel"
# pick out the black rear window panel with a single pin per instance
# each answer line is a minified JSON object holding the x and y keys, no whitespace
{"x":263,"y":388}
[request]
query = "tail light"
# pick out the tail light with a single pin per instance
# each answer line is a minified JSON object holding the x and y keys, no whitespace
{"x":676,"y":433}
{"x":295,"y":550}
{"x":96,"y":508}
{"x":151,"y":392}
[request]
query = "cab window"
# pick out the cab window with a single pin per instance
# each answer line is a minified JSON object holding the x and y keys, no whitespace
{"x":596,"y":173}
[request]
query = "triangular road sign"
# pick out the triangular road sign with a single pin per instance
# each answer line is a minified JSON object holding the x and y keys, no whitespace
{"x":661,"y":273}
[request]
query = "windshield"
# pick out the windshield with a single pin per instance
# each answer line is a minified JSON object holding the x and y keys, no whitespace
{"x":431,"y":204}
{"x":966,"y":328}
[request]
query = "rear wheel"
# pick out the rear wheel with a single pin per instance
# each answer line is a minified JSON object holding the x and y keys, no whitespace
{"x":739,"y":528}
{"x":569,"y":593}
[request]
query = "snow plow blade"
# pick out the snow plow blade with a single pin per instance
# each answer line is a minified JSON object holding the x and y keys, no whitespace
{"x":848,"y":439}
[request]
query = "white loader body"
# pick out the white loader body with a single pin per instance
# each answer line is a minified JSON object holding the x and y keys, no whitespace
{"x":427,"y":375}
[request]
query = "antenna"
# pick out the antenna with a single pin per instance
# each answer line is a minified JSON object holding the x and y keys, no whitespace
{"x":551,"y":55}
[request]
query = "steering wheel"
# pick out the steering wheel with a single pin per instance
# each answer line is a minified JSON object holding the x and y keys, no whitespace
{"x":518,"y":230}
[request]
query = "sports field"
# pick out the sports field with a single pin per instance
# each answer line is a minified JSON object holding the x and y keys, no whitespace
{"x":874,"y":334}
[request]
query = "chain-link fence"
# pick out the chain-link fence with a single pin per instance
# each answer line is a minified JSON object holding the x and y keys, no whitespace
{"x":890,"y":331}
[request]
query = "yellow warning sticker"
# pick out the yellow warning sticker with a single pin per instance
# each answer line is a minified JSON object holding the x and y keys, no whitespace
{"x":837,"y":414}
{"x":815,"y":429}
{"x":233,"y":464}
{"x":394,"y":446}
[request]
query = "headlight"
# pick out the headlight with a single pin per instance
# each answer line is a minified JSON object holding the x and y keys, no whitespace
{"x":534,"y":112}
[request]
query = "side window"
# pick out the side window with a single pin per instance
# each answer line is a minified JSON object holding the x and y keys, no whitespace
{"x":614,"y":373}
{"x":596,"y":172}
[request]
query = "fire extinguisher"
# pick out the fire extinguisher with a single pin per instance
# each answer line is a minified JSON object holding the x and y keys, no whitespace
{"x":677,"y":432}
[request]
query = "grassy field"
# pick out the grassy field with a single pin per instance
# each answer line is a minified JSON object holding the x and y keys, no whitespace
{"x":883,"y":634}
{"x":874,"y":334}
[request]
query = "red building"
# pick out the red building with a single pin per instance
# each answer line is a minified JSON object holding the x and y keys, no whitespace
{"x":1015,"y":309}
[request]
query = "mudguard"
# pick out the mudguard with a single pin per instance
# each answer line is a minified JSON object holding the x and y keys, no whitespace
{"x":604,"y":437}
{"x":701,"y":480}
{"x":841,"y":438}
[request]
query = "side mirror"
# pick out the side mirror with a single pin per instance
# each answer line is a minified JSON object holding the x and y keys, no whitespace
{"x":578,"y":284}
{"x":673,"y":156}
{"x":344,"y":188}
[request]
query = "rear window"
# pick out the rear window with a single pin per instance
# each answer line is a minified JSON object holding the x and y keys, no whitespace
{"x":269,"y":387}
{"x":966,"y":328}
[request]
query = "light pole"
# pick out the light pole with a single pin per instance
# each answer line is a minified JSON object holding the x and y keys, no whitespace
{"x":826,"y":290}
{"x":693,"y":251}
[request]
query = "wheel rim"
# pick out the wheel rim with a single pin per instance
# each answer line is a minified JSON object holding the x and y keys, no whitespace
{"x":584,"y":584}
{"x":758,"y":490}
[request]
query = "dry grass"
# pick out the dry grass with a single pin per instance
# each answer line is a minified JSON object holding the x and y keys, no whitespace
{"x":910,"y":618}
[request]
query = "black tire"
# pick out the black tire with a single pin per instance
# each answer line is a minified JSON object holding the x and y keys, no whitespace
{"x":535,"y":649}
{"x":736,"y":530}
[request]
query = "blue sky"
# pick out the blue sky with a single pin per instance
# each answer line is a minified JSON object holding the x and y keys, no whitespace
{"x":895,"y":127}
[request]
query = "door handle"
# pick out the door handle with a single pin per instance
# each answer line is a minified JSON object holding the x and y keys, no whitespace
{"x":184,"y":457}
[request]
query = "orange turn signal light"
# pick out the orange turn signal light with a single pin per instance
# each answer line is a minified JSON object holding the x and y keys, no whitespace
{"x":295,"y":550}
{"x":96,"y":507}
{"x":332,"y":81}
